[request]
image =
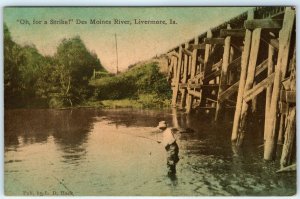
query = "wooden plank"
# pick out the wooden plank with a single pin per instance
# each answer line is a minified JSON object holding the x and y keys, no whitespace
{"x":207,"y":54}
{"x":178,"y":71}
{"x":288,"y":96}
{"x":173,"y":54}
{"x":292,"y":167}
{"x":282,"y":60}
{"x":195,"y":93}
{"x":261,"y":67}
{"x":211,"y":76}
{"x":187,"y":52}
{"x":232,"y":32}
{"x":217,"y":65}
{"x":211,"y":100}
{"x":201,"y":60}
{"x":193,"y":86}
{"x":274,"y":43}
{"x":232,"y":89}
{"x":229,"y":92}
{"x":197,"y":46}
{"x":258,"y":88}
{"x":269,"y":89}
{"x":210,"y":86}
{"x":219,"y":41}
{"x":244,"y":66}
{"x":263,"y":23}
{"x":183,"y":85}
{"x":184,"y":78}
{"x":283,"y":107}
{"x":206,"y":107}
{"x":249,"y":81}
{"x":224,"y":74}
{"x":289,"y":139}
{"x":170,"y":69}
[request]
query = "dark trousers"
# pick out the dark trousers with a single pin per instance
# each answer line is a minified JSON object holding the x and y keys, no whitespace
{"x":172,"y":157}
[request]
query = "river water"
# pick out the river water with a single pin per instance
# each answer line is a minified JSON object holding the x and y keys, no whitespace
{"x":113,"y":152}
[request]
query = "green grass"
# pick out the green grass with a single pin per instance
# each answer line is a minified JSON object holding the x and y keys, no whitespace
{"x":143,"y":101}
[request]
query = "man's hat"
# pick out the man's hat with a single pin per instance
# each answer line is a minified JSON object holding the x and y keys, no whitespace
{"x":162,"y":124}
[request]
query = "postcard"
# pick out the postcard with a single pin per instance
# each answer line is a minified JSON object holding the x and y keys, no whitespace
{"x":149,"y":101}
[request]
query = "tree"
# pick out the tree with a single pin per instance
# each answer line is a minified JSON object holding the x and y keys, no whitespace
{"x":75,"y":65}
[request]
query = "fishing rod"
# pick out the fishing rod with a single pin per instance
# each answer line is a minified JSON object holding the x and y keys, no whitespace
{"x":144,"y":137}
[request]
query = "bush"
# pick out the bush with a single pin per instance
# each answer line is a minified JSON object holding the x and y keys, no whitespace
{"x":145,"y":83}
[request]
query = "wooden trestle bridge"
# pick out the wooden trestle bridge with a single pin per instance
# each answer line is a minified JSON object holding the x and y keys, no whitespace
{"x":232,"y":65}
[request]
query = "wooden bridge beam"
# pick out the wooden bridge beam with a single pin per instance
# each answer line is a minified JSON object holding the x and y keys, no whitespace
{"x":224,"y":73}
{"x":207,"y":51}
{"x":234,"y":88}
{"x":208,"y":48}
{"x":263,"y":23}
{"x":187,"y":52}
{"x":219,"y":41}
{"x":177,"y":79}
{"x":190,"y":97}
{"x":249,"y":82}
{"x":290,"y":135}
{"x":258,"y":88}
{"x":244,"y":66}
{"x":198,"y":46}
{"x":184,"y":78}
{"x":232,"y":32}
{"x":280,"y":72}
{"x":269,"y":89}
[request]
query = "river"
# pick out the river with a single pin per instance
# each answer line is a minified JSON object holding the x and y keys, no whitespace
{"x":113,"y":152}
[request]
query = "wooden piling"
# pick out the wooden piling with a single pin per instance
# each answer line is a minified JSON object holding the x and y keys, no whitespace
{"x":269,"y":89}
{"x":190,"y":98}
{"x":184,"y":78}
{"x":280,"y":71}
{"x":244,"y":67}
{"x":178,"y":71}
{"x":224,"y":71}
{"x":207,"y":51}
{"x":232,"y":73}
{"x":249,"y":82}
{"x":254,"y":101}
{"x":290,"y":135}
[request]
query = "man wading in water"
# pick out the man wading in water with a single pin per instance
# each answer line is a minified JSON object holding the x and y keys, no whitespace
{"x":171,"y":147}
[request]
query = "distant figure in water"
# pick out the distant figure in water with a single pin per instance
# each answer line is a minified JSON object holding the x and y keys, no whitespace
{"x":171,"y":147}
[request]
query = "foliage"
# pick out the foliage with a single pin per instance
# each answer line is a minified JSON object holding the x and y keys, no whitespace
{"x":31,"y":79}
{"x":145,"y":84}
{"x":34,"y":80}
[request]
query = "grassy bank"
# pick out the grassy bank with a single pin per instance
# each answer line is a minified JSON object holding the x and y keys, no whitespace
{"x":140,"y":87}
{"x":145,"y":101}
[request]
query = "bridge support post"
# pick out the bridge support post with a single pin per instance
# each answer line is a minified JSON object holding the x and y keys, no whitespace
{"x":223,"y":78}
{"x":280,"y":72}
{"x":190,"y":98}
{"x":205,"y":68}
{"x":244,"y":67}
{"x":249,"y":82}
{"x":177,"y":78}
{"x":184,"y":78}
{"x":269,"y":89}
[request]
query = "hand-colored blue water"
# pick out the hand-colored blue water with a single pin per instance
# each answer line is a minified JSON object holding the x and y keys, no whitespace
{"x":114,"y":152}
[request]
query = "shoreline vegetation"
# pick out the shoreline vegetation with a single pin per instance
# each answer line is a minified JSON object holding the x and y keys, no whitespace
{"x":67,"y":79}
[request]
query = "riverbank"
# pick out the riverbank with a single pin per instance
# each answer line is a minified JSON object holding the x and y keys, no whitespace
{"x":143,"y":101}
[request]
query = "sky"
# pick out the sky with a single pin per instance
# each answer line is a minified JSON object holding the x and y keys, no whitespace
{"x":136,"y":42}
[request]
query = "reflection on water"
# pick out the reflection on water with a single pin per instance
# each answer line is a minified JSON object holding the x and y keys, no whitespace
{"x":114,"y":152}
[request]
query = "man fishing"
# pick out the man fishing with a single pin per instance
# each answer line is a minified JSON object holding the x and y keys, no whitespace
{"x":171,"y":147}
